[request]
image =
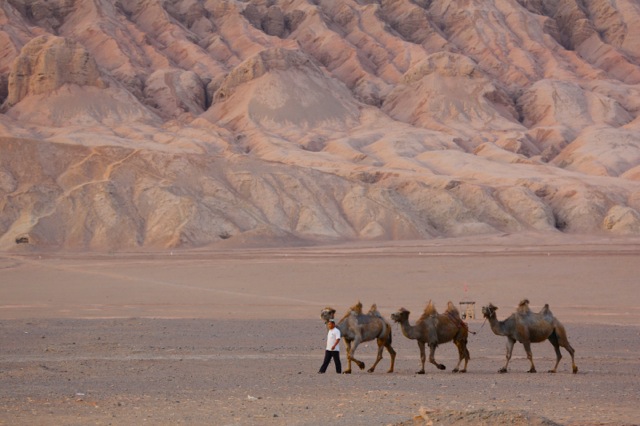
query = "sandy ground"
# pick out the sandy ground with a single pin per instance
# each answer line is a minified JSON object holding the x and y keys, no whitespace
{"x":234,"y":337}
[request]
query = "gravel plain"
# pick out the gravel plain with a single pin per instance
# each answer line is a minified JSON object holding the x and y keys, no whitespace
{"x":235,"y":338}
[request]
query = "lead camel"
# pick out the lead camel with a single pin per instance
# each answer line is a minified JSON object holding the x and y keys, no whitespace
{"x":529,"y":327}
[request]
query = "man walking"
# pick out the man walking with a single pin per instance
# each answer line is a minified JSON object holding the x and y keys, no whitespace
{"x":333,"y":348}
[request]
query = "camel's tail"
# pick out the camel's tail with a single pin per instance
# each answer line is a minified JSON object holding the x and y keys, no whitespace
{"x":466,"y":327}
{"x":385,"y":333}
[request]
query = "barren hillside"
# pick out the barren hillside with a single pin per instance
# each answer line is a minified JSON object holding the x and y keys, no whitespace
{"x":185,"y":123}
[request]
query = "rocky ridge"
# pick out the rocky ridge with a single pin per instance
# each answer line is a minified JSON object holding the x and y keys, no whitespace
{"x":183,"y":123}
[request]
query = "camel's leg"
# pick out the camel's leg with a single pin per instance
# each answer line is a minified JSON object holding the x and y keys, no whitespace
{"x":510,"y":343}
{"x":463,"y":353}
{"x":378,"y":357}
{"x":348,"y":347}
{"x":349,"y":344}
{"x":423,"y":356}
{"x":571,"y":351}
{"x":432,"y":358}
{"x":556,"y":346}
{"x":467,"y":356}
{"x":392,"y":355}
{"x":359,"y":363}
{"x":564,"y":342}
{"x":527,"y":349}
{"x":561,"y":339}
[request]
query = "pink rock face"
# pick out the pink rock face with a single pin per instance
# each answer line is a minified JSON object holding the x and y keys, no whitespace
{"x":188,"y":123}
{"x":48,"y":63}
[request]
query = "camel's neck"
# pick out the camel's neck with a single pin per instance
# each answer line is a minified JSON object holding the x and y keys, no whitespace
{"x":497,"y":326}
{"x":408,"y":330}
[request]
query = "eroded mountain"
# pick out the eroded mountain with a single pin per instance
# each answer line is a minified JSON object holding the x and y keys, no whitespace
{"x":184,"y":123}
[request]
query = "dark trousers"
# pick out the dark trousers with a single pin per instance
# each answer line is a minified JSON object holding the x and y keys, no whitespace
{"x":327,"y":359}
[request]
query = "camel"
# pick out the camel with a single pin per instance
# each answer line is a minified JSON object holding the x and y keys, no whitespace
{"x":356,"y":327}
{"x":529,"y":327}
{"x":433,"y":329}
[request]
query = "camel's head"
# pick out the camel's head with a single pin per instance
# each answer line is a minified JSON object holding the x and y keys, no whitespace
{"x":327,"y":313}
{"x":401,"y":315}
{"x":489,"y":311}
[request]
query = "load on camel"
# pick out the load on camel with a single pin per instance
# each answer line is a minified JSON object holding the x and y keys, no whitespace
{"x":433,"y":329}
{"x":529,"y":327}
{"x":357,"y":327}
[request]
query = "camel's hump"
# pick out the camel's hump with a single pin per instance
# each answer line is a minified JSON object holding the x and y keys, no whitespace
{"x":357,"y":308}
{"x":523,"y":307}
{"x":452,"y":308}
{"x":374,"y":311}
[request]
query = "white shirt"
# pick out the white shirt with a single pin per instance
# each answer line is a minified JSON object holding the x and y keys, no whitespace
{"x":332,"y":336}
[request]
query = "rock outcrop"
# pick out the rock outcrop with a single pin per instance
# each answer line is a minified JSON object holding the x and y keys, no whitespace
{"x":47,"y":63}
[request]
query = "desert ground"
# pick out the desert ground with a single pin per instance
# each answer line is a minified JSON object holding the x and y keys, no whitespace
{"x":232,"y":336}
